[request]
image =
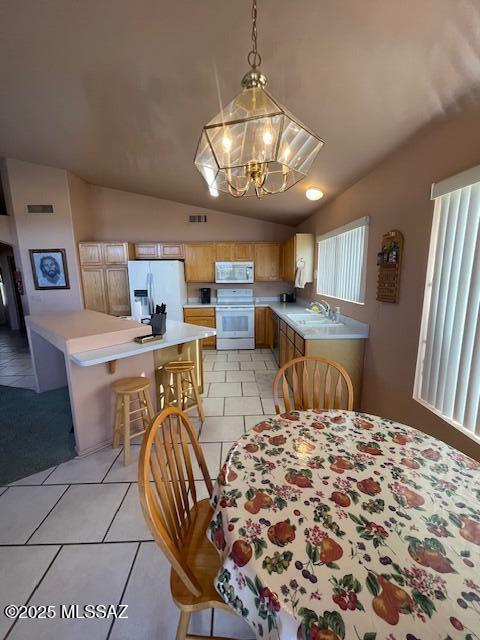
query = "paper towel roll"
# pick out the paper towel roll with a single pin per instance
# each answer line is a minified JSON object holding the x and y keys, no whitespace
{"x":137,"y":310}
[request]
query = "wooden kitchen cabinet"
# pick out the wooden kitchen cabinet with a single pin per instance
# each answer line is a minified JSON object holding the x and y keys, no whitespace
{"x":283,"y":340}
{"x":288,"y":260}
{"x":269,"y":327}
{"x":234,"y":252}
{"x":117,"y":253}
{"x":118,"y":294}
{"x":225,"y":251}
{"x":104,"y":272}
{"x":159,"y":251}
{"x":243,"y":251}
{"x":171,"y":251}
{"x":146,"y":250}
{"x":200,"y":262}
{"x":261,"y":326}
{"x":203,"y":317}
{"x":347,"y":352}
{"x":299,"y":246}
{"x":90,"y":253}
{"x":94,"y":289}
{"x":267,"y":261}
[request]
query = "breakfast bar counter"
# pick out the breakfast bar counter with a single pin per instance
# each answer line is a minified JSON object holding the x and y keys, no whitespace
{"x":88,"y":351}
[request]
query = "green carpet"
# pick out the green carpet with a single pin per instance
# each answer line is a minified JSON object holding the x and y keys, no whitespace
{"x":35,"y":431}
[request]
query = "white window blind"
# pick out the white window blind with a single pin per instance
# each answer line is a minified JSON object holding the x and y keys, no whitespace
{"x":341,"y":262}
{"x":447,"y":378}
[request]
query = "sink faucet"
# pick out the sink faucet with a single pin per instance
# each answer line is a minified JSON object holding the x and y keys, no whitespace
{"x":325,"y":306}
{"x":320,"y":307}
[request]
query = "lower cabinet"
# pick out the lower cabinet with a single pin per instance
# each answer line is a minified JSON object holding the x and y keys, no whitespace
{"x":347,"y":352}
{"x":118,"y":294}
{"x":203,"y":317}
{"x":260,"y":327}
{"x":94,"y":289}
{"x":264,"y":327}
{"x":106,"y":289}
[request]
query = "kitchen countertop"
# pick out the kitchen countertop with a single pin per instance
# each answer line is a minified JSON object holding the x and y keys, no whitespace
{"x":176,"y":333}
{"x":74,"y":331}
{"x":349,"y":329}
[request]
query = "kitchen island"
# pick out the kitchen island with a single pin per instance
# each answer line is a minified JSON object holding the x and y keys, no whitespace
{"x":88,"y":351}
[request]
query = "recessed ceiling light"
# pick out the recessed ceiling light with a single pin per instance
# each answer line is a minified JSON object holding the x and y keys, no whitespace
{"x":313,"y":193}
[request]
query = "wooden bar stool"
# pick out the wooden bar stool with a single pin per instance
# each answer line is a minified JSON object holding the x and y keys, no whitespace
{"x":181,"y":387}
{"x":128,"y":393}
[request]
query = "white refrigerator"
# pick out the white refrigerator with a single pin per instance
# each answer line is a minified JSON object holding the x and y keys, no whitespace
{"x":158,"y":281}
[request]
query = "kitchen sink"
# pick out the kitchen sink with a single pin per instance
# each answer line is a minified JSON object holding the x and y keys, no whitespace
{"x":312,"y":320}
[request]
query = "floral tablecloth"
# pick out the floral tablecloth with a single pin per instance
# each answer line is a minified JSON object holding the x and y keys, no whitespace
{"x":337,"y":525}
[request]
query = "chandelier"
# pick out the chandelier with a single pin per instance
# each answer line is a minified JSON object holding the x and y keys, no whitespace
{"x":255,"y":146}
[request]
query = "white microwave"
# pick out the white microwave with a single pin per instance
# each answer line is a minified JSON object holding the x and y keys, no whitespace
{"x":234,"y":272}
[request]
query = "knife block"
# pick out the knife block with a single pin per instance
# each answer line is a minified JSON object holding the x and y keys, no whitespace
{"x":158,"y":323}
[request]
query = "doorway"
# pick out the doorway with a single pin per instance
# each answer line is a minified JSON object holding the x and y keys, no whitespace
{"x":15,"y":362}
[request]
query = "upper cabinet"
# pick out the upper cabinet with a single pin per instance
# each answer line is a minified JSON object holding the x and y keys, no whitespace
{"x":200,"y":259}
{"x":91,"y":253}
{"x":300,"y":247}
{"x":200,"y":262}
{"x":159,"y":251}
{"x":244,"y":251}
{"x":146,"y":250}
{"x":171,"y":251}
{"x":267,"y":261}
{"x":234,"y":252}
{"x":225,"y":251}
{"x":117,"y":252}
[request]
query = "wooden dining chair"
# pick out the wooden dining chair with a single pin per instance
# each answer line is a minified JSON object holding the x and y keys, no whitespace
{"x":303,"y":379}
{"x":176,"y":518}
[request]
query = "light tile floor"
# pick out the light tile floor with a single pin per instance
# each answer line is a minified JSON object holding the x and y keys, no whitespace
{"x":15,"y":362}
{"x":75,"y":534}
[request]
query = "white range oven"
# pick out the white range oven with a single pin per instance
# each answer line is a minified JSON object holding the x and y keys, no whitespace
{"x":234,"y":272}
{"x":235,"y":316}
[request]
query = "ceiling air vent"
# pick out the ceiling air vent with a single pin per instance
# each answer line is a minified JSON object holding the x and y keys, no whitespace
{"x":197,"y":218}
{"x":39,"y":208}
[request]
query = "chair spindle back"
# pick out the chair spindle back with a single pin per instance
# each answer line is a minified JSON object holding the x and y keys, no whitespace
{"x":301,"y":381}
{"x":167,"y":502}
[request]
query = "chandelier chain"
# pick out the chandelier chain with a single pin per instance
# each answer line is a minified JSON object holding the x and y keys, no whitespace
{"x":254,"y":58}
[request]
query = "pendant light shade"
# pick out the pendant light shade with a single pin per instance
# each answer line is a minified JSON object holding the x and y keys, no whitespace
{"x":255,"y":146}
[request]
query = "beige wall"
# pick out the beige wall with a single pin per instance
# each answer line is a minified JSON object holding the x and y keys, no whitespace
{"x":83,"y":217}
{"x":6,"y":234}
{"x":129,"y":216}
{"x":396,"y":195}
{"x":260,"y":289}
{"x":35,"y":184}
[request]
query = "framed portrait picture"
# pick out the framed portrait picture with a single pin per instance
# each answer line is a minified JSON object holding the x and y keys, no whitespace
{"x":49,"y":267}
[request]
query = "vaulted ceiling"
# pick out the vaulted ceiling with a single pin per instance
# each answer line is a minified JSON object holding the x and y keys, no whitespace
{"x":117,"y":91}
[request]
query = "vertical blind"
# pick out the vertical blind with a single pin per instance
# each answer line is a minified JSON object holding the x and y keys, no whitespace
{"x":341,"y":263}
{"x":447,"y":379}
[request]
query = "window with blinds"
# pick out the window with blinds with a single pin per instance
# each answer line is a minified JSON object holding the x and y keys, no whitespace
{"x":447,"y":378}
{"x":341,"y":263}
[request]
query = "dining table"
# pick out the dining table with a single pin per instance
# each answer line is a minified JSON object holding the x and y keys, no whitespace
{"x":338,"y":525}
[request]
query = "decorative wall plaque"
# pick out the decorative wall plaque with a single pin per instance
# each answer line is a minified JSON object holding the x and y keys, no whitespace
{"x":389,"y":262}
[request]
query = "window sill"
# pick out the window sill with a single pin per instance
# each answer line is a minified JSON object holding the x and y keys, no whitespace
{"x":450,"y":421}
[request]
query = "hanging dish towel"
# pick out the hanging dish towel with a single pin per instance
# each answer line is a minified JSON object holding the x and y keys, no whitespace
{"x":300,"y":274}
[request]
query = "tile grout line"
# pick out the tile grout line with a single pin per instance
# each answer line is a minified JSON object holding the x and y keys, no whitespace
{"x":35,"y":588}
{"x":50,"y":511}
{"x":45,"y":479}
{"x":116,"y":512}
{"x":124,"y":588}
{"x":110,"y":467}
{"x":70,"y":544}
